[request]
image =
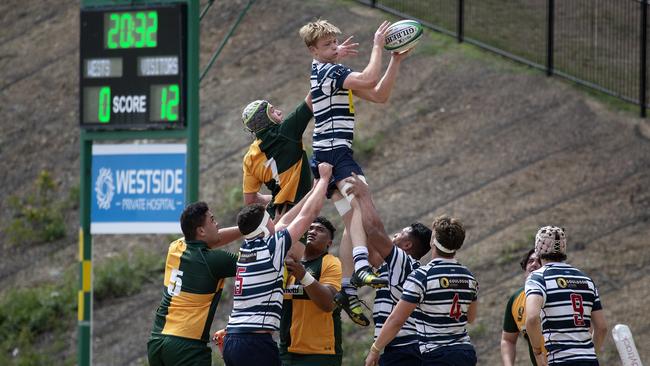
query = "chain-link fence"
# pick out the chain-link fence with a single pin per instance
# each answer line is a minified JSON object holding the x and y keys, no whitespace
{"x":597,"y":43}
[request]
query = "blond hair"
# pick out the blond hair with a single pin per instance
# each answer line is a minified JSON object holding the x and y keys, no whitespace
{"x":313,"y":31}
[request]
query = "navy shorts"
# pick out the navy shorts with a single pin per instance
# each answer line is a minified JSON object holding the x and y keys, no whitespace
{"x":342,"y":162}
{"x":245,"y":349}
{"x":408,"y":355}
{"x":450,"y":356}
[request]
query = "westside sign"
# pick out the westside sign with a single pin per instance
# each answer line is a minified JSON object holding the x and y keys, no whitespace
{"x":137,"y":189}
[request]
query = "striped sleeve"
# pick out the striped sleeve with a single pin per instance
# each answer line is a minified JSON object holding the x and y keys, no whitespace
{"x":399,"y":266}
{"x":280,"y":247}
{"x":535,"y":285}
{"x":415,"y":287}
{"x":333,"y":78}
{"x":597,"y":305}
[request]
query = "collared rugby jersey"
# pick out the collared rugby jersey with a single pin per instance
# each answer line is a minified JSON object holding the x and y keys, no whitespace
{"x":307,"y":329}
{"x":514,"y":319}
{"x":333,"y":107}
{"x":257,"y":295}
{"x":194,"y":278}
{"x":569,"y":297}
{"x":443,"y":290}
{"x":277,"y":159}
{"x":396,"y":268}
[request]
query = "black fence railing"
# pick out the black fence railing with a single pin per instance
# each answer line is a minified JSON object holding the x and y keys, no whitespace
{"x":601,"y":44}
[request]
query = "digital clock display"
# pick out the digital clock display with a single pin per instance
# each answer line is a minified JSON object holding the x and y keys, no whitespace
{"x":132,"y":67}
{"x":133,"y":29}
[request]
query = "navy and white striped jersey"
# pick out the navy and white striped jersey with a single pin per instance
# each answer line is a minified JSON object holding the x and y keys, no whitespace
{"x":443,"y":290}
{"x":396,"y":268}
{"x":569,"y":298}
{"x":257,"y":296}
{"x":333,"y":107}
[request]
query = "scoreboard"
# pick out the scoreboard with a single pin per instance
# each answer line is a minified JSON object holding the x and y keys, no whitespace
{"x":133,"y":67}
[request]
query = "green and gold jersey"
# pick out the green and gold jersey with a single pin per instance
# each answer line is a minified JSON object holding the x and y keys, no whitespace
{"x":514,"y":319}
{"x":304,"y":327}
{"x":194,"y":279}
{"x":277,"y":159}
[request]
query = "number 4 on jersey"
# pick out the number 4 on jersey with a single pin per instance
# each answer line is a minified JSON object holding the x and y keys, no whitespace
{"x":455,"y":311}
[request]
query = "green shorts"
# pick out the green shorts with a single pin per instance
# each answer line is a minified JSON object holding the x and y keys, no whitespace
{"x":169,"y":350}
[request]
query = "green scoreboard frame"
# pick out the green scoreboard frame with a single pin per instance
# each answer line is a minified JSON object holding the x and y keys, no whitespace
{"x":132,"y":67}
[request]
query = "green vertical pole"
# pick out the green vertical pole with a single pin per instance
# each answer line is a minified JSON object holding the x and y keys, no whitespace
{"x":84,"y":294}
{"x":192,"y":100}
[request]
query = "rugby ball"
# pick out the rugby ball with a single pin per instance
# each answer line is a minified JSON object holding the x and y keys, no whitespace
{"x":403,"y":35}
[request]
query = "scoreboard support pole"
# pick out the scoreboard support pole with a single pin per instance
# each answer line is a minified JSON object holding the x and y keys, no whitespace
{"x":191,"y":136}
{"x":85,"y":294}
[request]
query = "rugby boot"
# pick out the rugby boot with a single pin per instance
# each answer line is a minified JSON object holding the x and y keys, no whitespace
{"x":352,"y":306}
{"x":366,"y":277}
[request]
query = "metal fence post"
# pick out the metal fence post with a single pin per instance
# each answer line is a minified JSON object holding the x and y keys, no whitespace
{"x":460,"y":22}
{"x":550,"y":37}
{"x":644,"y":58}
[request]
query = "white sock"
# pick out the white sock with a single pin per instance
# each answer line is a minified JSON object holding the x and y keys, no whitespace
{"x":360,"y":255}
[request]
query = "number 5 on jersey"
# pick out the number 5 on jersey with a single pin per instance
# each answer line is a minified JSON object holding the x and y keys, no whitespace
{"x":175,"y":282}
{"x":239,"y":281}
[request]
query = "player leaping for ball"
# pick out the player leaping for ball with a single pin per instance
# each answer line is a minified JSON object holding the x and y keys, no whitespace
{"x":332,"y":86}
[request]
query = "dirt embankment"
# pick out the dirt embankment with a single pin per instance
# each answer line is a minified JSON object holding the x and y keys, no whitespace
{"x":465,"y":133}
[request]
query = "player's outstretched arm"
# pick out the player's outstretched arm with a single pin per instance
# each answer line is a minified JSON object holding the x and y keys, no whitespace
{"x":226,"y":236}
{"x":284,"y":221}
{"x":382,"y":91}
{"x":378,"y":240}
{"x":308,"y":212}
{"x":369,"y":77}
{"x":251,"y":198}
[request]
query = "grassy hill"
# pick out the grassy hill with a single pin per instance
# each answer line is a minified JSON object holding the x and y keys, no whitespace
{"x":465,"y":133}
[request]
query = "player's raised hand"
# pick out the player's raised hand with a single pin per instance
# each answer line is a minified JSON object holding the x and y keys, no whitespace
{"x":356,"y":186}
{"x":325,"y":171}
{"x":397,"y":56}
{"x":380,"y":34}
{"x":347,"y":48}
{"x":295,"y":268}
